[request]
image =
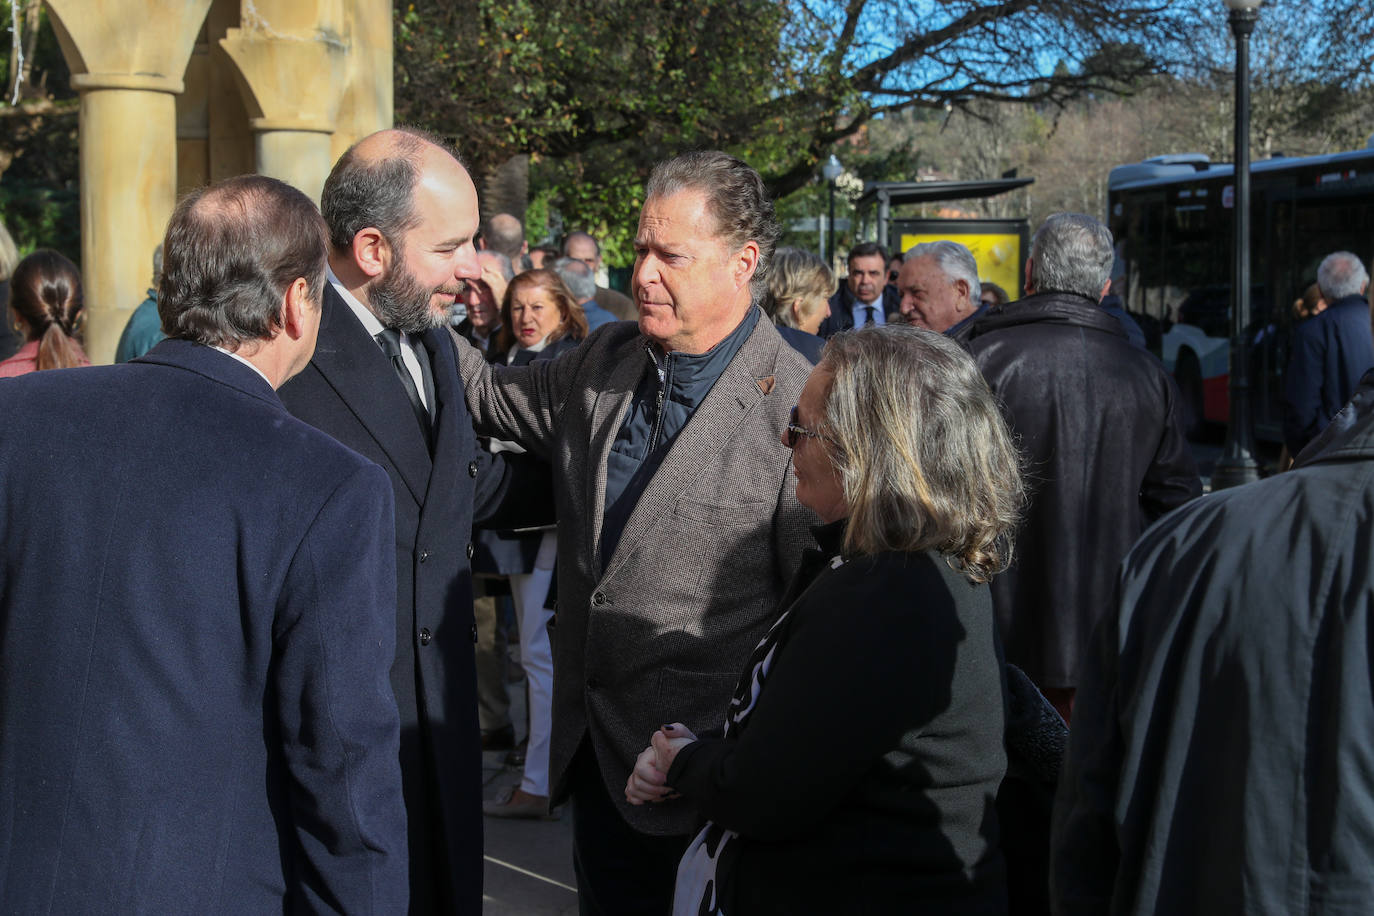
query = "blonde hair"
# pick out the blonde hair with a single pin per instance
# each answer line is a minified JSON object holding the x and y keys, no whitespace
{"x":9,"y":253}
{"x":923,"y":452}
{"x":796,"y":274}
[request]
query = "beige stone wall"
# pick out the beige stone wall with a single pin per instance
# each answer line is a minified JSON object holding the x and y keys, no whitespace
{"x":177,"y":93}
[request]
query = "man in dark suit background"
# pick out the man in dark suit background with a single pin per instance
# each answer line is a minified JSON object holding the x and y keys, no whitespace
{"x":864,"y":297}
{"x":195,"y":713}
{"x":402,"y":214}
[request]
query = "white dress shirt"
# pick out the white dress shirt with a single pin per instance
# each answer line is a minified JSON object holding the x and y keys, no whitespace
{"x":861,"y":315}
{"x":375,"y":327}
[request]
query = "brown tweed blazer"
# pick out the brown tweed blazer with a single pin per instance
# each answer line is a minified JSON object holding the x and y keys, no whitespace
{"x":705,"y":556}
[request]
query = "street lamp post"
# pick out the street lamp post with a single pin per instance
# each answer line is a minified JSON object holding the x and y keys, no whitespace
{"x":1237,"y":464}
{"x":831,"y":171}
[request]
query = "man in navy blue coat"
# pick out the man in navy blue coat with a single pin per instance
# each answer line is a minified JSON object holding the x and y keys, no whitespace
{"x":402,"y":214}
{"x":1330,"y":352}
{"x":195,"y":591}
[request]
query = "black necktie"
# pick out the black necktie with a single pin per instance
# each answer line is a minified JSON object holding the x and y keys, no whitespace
{"x":868,"y":312}
{"x":390,"y":340}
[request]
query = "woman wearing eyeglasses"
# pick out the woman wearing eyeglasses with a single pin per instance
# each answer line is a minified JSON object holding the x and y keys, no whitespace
{"x":863,"y":749}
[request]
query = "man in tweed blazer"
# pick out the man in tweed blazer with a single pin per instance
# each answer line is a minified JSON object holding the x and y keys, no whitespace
{"x":679,"y":523}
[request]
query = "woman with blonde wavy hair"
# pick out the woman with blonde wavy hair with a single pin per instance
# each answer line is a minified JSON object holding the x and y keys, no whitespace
{"x":46,"y":309}
{"x":862,"y":753}
{"x":799,"y":290}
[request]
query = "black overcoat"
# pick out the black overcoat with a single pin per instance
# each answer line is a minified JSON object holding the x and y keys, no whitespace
{"x":350,"y":391}
{"x":1096,"y":422}
{"x":1219,"y":760}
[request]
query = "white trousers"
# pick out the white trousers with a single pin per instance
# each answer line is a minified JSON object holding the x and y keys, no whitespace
{"x":536,"y":656}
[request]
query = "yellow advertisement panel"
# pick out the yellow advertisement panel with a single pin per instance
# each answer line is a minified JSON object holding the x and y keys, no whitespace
{"x":998,"y":254}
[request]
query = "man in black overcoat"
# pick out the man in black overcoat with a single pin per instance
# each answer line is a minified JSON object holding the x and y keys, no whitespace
{"x":402,"y":214}
{"x":1103,"y":452}
{"x":195,"y":588}
{"x":1219,"y":760}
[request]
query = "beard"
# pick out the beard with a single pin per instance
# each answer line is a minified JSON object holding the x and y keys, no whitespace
{"x":400,"y":301}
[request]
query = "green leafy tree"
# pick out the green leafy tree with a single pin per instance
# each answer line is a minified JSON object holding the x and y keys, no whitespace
{"x":598,"y":90}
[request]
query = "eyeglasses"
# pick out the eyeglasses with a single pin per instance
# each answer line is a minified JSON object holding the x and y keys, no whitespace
{"x":795,"y":432}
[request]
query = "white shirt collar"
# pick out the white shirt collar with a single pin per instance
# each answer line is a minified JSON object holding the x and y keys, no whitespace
{"x":374,"y":327}
{"x":234,"y":355}
{"x":369,"y":320}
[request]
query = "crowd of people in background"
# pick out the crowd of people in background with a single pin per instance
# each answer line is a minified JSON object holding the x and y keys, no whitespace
{"x":887,"y":593}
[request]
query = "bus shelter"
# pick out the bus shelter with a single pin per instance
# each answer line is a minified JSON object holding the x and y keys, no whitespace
{"x":998,"y":245}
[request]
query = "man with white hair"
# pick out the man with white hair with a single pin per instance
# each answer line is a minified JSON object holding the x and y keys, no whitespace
{"x":1100,"y":439}
{"x":1330,"y":352}
{"x":939,"y":286}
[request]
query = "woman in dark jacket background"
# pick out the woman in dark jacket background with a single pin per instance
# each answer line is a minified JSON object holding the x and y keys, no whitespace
{"x":863,"y":749}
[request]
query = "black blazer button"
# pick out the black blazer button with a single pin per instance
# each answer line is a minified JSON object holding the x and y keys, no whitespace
{"x":425,"y":636}
{"x":424,"y":555}
{"x":472,"y":469}
{"x":593,"y":683}
{"x":470,"y":551}
{"x":474,"y":634}
{"x":598,"y":599}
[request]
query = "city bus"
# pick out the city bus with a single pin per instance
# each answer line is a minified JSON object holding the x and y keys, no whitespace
{"x":1172,"y":220}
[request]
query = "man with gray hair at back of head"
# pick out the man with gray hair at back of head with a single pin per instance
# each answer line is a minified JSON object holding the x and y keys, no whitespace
{"x":1098,"y":422}
{"x":581,"y":282}
{"x":1330,"y":352}
{"x":505,"y":235}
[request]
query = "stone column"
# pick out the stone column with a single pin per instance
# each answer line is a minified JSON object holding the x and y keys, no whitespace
{"x":127,"y":59}
{"x":291,"y":63}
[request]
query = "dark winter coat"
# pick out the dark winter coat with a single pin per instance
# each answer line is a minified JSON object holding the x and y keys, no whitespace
{"x":195,"y":715}
{"x":1330,"y":353}
{"x":1219,"y":759}
{"x":350,"y":391}
{"x":1095,"y":418}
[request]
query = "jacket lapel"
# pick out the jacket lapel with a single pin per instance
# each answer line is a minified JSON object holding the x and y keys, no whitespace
{"x":732,"y":398}
{"x":355,"y":367}
{"x":449,"y":411}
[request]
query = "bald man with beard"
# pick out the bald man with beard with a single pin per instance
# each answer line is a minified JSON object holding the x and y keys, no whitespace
{"x":402,"y":216}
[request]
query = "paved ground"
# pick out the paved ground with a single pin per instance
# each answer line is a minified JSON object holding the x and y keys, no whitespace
{"x":529,"y":863}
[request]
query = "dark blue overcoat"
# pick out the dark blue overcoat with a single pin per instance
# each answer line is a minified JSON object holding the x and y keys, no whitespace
{"x":350,"y":391}
{"x":195,"y":635}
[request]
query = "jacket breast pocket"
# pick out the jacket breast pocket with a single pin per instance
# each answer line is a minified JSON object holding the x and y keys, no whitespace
{"x":731,"y":546}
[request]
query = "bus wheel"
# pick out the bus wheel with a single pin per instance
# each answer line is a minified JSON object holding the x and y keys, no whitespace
{"x":1188,"y":375}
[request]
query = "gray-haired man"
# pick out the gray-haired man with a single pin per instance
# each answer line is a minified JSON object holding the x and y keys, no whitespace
{"x":1099,"y":432}
{"x":939,"y":286}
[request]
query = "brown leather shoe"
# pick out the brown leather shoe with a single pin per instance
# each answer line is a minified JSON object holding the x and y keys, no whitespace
{"x":517,"y":803}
